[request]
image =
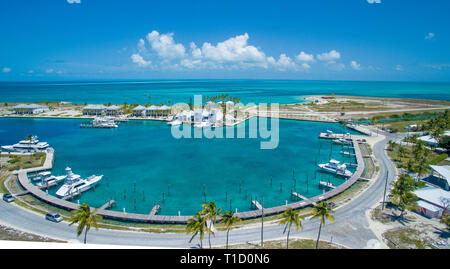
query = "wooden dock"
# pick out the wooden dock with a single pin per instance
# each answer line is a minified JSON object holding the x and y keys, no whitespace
{"x":257,"y":205}
{"x":298,"y":195}
{"x":108,"y":205}
{"x":155,"y":210}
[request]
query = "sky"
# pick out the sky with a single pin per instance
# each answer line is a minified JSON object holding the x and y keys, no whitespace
{"x":398,"y":40}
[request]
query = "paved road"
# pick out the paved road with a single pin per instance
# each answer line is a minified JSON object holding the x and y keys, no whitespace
{"x":350,"y":229}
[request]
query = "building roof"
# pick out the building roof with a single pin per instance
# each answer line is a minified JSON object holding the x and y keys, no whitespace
{"x":444,"y":171}
{"x":428,"y":206}
{"x":113,"y":107}
{"x":432,"y":195}
{"x":92,"y":106}
{"x":139,"y":108}
{"x":30,"y":106}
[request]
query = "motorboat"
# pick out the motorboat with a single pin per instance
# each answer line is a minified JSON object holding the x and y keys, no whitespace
{"x":31,"y":145}
{"x":74,"y":184}
{"x":175,"y":122}
{"x":342,"y":141}
{"x":334,"y":167}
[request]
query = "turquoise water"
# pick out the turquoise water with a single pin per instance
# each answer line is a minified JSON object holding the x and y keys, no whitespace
{"x":257,"y":91}
{"x":141,"y":158}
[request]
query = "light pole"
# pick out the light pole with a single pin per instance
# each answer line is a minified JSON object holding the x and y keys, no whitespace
{"x":385,"y":188}
{"x":262,"y":223}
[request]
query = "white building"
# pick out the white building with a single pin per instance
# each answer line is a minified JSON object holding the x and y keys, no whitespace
{"x":29,"y":109}
{"x":433,"y":201}
{"x":431,"y":141}
{"x":94,"y":110}
{"x":139,"y":111}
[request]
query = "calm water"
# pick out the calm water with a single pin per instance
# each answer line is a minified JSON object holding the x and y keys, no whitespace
{"x":256,"y":91}
{"x":141,"y":158}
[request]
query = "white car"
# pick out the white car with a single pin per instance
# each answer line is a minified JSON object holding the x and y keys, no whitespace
{"x":53,"y":216}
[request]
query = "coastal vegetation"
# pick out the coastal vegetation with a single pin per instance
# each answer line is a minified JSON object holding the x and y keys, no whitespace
{"x":402,"y":193}
{"x":85,"y":218}
{"x":289,"y":218}
{"x":323,"y":211}
{"x":229,"y":220}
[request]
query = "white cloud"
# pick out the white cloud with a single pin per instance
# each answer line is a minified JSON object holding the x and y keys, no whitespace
{"x":139,"y":60}
{"x":374,"y":1}
{"x":355,"y":65}
{"x":234,"y":50}
{"x":284,"y":63}
{"x":329,"y":56}
{"x":333,"y":65}
{"x":303,"y":57}
{"x":429,"y":36}
{"x":74,"y":1}
{"x":6,"y":70}
{"x":165,"y":46}
{"x":305,"y":66}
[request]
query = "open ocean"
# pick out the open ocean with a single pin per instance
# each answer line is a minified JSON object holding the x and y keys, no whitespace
{"x":175,"y":91}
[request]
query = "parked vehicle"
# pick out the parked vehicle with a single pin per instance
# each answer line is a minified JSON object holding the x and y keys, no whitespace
{"x":8,"y":198}
{"x":53,"y":216}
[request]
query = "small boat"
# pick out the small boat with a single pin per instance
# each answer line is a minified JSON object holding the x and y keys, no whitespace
{"x":342,"y":141}
{"x":74,"y":184}
{"x":202,"y":124}
{"x":334,"y":167}
{"x":101,"y":122}
{"x":175,"y":122}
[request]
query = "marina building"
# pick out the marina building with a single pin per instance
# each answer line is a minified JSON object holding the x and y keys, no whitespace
{"x":113,"y":110}
{"x":92,"y":110}
{"x":434,"y":200}
{"x":29,"y":109}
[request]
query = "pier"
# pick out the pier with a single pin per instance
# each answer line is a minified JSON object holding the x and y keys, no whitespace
{"x":257,"y":204}
{"x":155,"y":210}
{"x":298,"y":195}
{"x":108,"y":205}
{"x":347,"y":153}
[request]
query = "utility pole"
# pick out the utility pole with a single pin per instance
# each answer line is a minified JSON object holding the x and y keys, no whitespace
{"x":385,"y":188}
{"x":262,"y":223}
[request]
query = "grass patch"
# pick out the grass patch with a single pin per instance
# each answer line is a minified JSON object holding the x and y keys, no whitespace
{"x":405,"y":238}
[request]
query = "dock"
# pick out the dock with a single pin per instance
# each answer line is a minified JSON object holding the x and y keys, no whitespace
{"x":108,"y":205}
{"x":347,"y":153}
{"x":257,"y":204}
{"x":326,"y":184}
{"x":155,"y":210}
{"x":298,"y":195}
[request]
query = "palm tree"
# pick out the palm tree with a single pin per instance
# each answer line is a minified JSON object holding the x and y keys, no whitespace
{"x":323,"y":211}
{"x":402,"y":193}
{"x":210,"y":211}
{"x":290,"y":217}
{"x":197,"y":225}
{"x":85,"y":219}
{"x":229,"y":219}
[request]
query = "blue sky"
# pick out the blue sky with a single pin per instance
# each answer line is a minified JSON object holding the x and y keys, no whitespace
{"x":321,"y":39}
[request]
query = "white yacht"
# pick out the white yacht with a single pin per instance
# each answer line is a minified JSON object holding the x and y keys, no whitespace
{"x":175,"y":122}
{"x":30,"y":145}
{"x":202,"y":124}
{"x":74,"y":184}
{"x":334,"y":167}
{"x":104,"y":123}
{"x":47,"y":179}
